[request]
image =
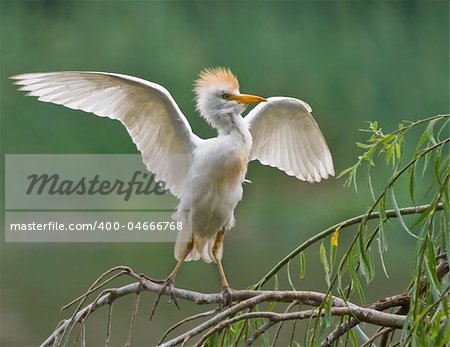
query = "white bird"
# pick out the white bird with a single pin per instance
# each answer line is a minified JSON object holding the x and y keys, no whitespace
{"x":279,"y":132}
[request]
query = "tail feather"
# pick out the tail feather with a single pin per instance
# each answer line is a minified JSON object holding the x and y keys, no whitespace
{"x":202,"y":247}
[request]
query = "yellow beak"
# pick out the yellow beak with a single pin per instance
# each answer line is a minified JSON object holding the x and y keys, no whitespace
{"x":247,"y":98}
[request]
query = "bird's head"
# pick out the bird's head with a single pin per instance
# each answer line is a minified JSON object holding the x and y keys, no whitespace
{"x":218,"y":98}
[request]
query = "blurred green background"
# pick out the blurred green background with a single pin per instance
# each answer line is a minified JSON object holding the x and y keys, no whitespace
{"x":352,"y":61}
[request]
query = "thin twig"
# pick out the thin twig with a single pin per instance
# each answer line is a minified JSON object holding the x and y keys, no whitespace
{"x":277,"y":332}
{"x":258,"y":332}
{"x":375,"y":336}
{"x":363,"y":314}
{"x":133,"y":319}
{"x":383,"y":304}
{"x":108,"y":328}
{"x":188,"y":319}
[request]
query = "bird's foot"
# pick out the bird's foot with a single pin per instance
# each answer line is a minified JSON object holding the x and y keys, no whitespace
{"x":225,"y":297}
{"x":166,"y":287}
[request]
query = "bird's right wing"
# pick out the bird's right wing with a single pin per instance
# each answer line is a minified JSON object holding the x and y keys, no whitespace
{"x":285,"y":135}
{"x":148,"y":111}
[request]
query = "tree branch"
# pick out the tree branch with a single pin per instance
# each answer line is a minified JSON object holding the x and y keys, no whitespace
{"x":244,"y":299}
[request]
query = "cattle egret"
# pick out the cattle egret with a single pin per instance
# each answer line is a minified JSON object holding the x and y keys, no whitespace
{"x":279,"y":132}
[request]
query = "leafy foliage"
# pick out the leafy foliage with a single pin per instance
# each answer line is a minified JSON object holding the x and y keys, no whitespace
{"x":421,"y":169}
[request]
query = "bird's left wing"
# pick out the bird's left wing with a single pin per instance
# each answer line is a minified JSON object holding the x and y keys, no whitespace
{"x":148,"y":111}
{"x":285,"y":135}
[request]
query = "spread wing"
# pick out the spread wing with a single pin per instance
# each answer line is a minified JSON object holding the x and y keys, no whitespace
{"x":286,"y":136}
{"x":155,"y":123}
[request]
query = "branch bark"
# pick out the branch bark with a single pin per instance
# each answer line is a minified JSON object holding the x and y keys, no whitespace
{"x":244,"y":299}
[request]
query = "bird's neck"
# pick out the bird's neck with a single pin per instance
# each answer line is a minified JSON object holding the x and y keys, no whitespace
{"x":237,"y":128}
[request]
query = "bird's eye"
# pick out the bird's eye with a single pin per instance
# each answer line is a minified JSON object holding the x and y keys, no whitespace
{"x":226,"y":96}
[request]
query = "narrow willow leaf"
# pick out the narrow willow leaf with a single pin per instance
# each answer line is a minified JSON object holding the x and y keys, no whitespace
{"x":277,"y":288}
{"x":333,"y":253}
{"x":383,"y":238}
{"x":382,"y":209}
{"x":369,"y":176}
{"x":364,"y":262}
{"x":356,"y":283}
{"x":431,"y":255}
{"x":398,"y":151}
{"x":430,"y":131}
{"x":424,"y":215}
{"x":265,"y":338}
{"x":430,"y":274}
{"x":324,"y":260}
{"x":443,"y":128}
{"x":327,"y":307}
{"x":422,"y":140}
{"x":380,"y":252}
{"x":236,"y":327}
{"x":387,"y":139}
{"x":345,"y":171}
{"x":302,"y":264}
{"x":361,"y":334}
{"x":363,"y":145}
{"x":444,"y":334}
{"x":426,"y":160}
{"x":307,"y":338}
{"x":288,"y":269}
{"x":400,"y":217}
{"x":437,"y":165}
{"x":412,"y":182}
{"x":353,"y":338}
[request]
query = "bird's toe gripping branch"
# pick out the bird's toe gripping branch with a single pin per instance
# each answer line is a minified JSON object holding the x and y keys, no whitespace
{"x":166,"y":288}
{"x":225,"y":297}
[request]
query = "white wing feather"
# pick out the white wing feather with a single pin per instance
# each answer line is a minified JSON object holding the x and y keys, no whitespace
{"x":154,"y":121}
{"x":285,"y":135}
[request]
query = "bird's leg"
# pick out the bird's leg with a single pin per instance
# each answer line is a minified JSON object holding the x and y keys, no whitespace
{"x":167,"y":284}
{"x":226,"y":294}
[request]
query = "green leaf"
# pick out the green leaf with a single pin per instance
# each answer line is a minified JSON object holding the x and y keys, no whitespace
{"x":356,"y":283}
{"x":430,"y":274}
{"x":288,"y":269}
{"x":353,"y":338}
{"x":302,"y":264}
{"x":277,"y":283}
{"x":277,"y":288}
{"x":363,"y":145}
{"x":323,"y":259}
{"x":369,"y":180}
{"x":422,"y":140}
{"x":412,"y":182}
{"x":398,"y":150}
{"x":423,"y":216}
{"x":400,"y":217}
{"x":444,"y":334}
{"x":380,"y":252}
{"x":387,"y":139}
{"x":364,"y":262}
{"x":345,"y":171}
{"x":430,"y":131}
{"x":327,"y":307}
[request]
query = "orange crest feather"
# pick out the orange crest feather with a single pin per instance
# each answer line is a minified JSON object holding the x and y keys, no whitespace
{"x":215,"y":76}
